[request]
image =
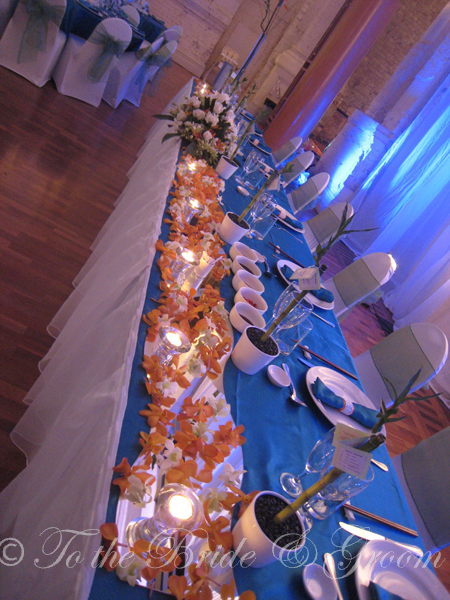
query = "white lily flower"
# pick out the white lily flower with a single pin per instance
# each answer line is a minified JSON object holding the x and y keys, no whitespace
{"x":215,"y":497}
{"x":231,"y":476}
{"x":132,"y":571}
{"x":170,"y":457}
{"x":195,"y":367}
{"x":220,"y":407}
{"x":167,"y":388}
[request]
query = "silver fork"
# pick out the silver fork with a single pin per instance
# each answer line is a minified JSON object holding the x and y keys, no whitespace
{"x":293,"y":395}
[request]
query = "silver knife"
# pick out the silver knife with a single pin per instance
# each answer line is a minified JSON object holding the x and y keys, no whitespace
{"x":365,"y":534}
{"x":322,"y":319}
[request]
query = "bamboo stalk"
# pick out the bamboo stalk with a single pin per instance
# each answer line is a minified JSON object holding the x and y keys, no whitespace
{"x":242,"y":138}
{"x":274,"y":174}
{"x":284,"y":314}
{"x":372,"y":443}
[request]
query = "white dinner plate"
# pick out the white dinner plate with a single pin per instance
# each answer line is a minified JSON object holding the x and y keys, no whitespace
{"x":343,"y":387}
{"x":315,"y":301}
{"x":386,"y":563}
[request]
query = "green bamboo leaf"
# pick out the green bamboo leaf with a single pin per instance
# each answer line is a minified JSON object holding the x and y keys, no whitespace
{"x":165,"y":117}
{"x":170,"y":135}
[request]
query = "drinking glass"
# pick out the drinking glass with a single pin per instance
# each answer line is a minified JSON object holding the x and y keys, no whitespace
{"x":252,"y":163}
{"x":262,"y":217}
{"x":333,"y":496}
{"x":298,"y":314}
{"x":289,"y":338}
{"x":315,"y":462}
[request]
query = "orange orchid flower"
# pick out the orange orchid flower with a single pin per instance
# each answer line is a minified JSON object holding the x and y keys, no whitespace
{"x":213,"y":531}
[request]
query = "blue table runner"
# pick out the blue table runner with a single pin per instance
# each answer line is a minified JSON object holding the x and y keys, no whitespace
{"x":279,"y":433}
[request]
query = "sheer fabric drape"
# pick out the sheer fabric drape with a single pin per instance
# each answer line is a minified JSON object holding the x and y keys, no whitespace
{"x":71,"y":430}
{"x":407,"y":199}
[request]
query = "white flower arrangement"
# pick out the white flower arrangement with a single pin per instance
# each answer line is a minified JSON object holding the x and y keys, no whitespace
{"x":207,"y":121}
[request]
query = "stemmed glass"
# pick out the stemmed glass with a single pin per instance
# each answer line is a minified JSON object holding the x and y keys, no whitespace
{"x":252,"y":162}
{"x":260,"y":211}
{"x":298,"y":314}
{"x":315,"y":462}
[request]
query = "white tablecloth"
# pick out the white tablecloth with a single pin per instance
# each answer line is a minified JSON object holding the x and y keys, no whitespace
{"x":70,"y":432}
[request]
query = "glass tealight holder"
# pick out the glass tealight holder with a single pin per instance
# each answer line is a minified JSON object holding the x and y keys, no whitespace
{"x":193,"y":209}
{"x":185,"y":260}
{"x":177,"y":508}
{"x":171,"y":342}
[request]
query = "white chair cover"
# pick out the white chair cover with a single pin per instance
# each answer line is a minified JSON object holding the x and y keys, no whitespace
{"x":71,"y":430}
{"x":309,"y":191}
{"x":17,"y":54}
{"x":398,"y":357}
{"x":132,"y":14}
{"x":320,"y":228}
{"x":359,"y":280}
{"x":301,"y":163}
{"x":424,"y":475}
{"x":286,"y":150}
{"x":72,"y":73}
{"x":173,"y":34}
{"x":7,"y":8}
{"x":135,"y":88}
{"x":125,"y":72}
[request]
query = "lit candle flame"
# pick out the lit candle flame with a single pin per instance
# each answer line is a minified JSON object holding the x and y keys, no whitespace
{"x":174,"y":338}
{"x":195,"y":203}
{"x":188,"y":255}
{"x":181,"y":507}
{"x":192,"y":166}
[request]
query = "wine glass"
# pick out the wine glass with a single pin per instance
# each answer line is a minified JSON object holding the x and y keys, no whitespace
{"x":252,"y":162}
{"x":298,"y":314}
{"x":315,"y":462}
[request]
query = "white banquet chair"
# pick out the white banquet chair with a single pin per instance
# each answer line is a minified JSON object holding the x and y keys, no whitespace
{"x":130,"y":67}
{"x":420,"y":346}
{"x":136,"y":87}
{"x":323,"y":226}
{"x":84,"y":66}
{"x":357,"y":281}
{"x":286,"y":150}
{"x":300,"y":198}
{"x":132,"y":14}
{"x":7,"y":8}
{"x":27,"y":50}
{"x":424,"y":475}
{"x":301,"y":163}
{"x":173,"y":34}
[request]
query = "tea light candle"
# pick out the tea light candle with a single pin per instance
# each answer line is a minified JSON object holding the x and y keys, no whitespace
{"x":185,"y":260}
{"x":181,"y":507}
{"x":192,"y":166}
{"x":171,"y":342}
{"x":176,"y":507}
{"x":193,"y":208}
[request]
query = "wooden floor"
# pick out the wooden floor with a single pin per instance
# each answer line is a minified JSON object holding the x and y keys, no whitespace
{"x":63,"y":163}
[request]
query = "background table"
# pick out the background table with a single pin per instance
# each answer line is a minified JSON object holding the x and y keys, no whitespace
{"x":81,"y":19}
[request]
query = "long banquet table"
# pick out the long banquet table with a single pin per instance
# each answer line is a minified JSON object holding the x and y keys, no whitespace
{"x":83,"y":418}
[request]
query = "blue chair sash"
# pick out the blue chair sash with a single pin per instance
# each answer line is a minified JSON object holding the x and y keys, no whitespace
{"x":34,"y":38}
{"x":111,"y":48}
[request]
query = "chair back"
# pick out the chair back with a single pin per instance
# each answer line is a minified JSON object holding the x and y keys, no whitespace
{"x":363,"y":277}
{"x":326,"y":223}
{"x":37,"y":22}
{"x":173,"y":34}
{"x":309,"y":191}
{"x":108,"y":41}
{"x":132,"y":14}
{"x":426,"y":469}
{"x":301,"y":163}
{"x":286,"y":150}
{"x":399,"y":356}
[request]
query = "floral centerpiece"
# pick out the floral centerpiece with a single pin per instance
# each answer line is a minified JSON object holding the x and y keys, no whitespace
{"x":206,"y":123}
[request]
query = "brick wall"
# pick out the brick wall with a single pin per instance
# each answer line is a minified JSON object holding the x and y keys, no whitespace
{"x":404,"y":30}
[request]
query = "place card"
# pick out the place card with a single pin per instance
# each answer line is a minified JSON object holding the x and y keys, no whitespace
{"x":308,"y":279}
{"x":351,"y":460}
{"x":345,"y":432}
